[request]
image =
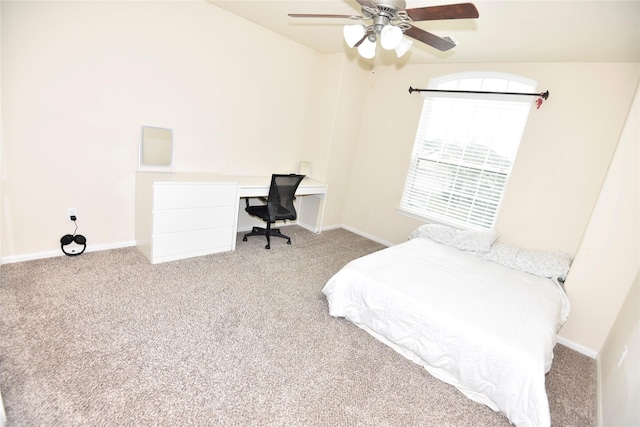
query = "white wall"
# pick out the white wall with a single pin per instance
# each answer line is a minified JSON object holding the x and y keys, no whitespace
{"x":609,"y":256}
{"x":345,"y":125}
{"x":79,"y":79}
{"x":620,"y":376}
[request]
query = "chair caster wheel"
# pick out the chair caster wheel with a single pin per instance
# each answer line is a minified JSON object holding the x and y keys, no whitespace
{"x":268,"y":247}
{"x":244,"y":239}
{"x":288,"y":242}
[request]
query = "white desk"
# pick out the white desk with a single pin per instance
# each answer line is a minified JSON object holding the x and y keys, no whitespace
{"x":181,"y":215}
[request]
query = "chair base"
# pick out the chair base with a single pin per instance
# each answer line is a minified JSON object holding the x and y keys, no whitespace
{"x":268,"y":232}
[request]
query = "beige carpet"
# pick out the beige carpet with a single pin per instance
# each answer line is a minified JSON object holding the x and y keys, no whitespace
{"x":240,"y":338}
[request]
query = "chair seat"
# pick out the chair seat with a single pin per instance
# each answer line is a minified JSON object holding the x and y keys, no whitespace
{"x":259,"y":211}
{"x":262,"y":212}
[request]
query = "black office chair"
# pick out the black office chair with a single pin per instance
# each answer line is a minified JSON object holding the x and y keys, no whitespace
{"x":278,"y":207}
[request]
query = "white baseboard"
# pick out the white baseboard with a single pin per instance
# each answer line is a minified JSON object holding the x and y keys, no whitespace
{"x":56,"y":253}
{"x":363,"y":234}
{"x":94,"y":248}
{"x":577,"y":347}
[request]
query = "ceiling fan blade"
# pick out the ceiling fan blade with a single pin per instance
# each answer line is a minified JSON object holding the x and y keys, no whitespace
{"x":317,"y":15}
{"x":430,"y":39}
{"x":451,"y":11}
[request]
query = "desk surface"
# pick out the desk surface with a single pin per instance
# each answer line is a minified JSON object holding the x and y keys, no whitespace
{"x":248,"y":186}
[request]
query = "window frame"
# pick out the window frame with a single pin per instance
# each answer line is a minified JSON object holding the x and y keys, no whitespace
{"x":512,"y":83}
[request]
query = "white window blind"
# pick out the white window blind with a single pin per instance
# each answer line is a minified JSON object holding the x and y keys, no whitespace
{"x":464,"y":150}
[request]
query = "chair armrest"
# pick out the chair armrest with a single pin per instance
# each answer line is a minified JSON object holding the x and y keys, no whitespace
{"x":246,"y":200}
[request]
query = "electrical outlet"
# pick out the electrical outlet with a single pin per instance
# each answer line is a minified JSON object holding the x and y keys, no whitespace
{"x":72,"y":212}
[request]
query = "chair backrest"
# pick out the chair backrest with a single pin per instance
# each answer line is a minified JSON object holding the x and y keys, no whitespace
{"x":281,"y":196}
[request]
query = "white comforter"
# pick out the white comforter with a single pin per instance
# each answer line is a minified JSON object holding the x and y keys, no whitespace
{"x":485,"y":328}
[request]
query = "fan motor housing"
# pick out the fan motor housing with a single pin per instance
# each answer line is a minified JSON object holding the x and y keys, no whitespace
{"x":391,"y":5}
{"x":389,"y":10}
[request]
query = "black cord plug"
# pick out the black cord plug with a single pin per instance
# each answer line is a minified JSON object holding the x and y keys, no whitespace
{"x":73,"y":217}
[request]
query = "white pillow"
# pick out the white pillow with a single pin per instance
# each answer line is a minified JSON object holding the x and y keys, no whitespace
{"x":478,"y":242}
{"x":538,"y":262}
{"x":503,"y":254}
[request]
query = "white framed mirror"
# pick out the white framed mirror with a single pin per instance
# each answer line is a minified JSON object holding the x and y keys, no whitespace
{"x":156,"y":150}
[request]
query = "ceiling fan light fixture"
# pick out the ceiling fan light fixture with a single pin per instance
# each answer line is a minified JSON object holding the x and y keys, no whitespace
{"x":391,"y":20}
{"x":390,"y":37}
{"x":353,"y":34}
{"x":403,"y":47}
{"x":367,"y":49}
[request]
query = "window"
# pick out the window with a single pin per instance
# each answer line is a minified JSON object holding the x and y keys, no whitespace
{"x":465,"y":148}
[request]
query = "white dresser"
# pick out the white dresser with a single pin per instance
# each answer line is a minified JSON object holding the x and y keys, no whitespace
{"x":184,"y":215}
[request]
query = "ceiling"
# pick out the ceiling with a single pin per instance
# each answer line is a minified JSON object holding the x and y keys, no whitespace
{"x":506,"y":31}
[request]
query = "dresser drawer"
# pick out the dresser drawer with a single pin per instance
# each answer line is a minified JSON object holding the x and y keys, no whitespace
{"x":188,"y":242}
{"x":175,"y":220}
{"x":179,"y":195}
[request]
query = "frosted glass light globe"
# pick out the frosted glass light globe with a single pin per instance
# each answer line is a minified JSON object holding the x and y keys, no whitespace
{"x":353,"y":34}
{"x":390,"y":37}
{"x":403,"y":47}
{"x":367,"y":49}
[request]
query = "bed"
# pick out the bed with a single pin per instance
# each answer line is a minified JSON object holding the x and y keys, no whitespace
{"x":477,"y":314}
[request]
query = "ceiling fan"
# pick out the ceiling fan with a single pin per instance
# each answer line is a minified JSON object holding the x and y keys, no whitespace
{"x":391,"y":20}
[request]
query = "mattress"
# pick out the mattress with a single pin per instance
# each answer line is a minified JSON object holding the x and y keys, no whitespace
{"x":485,"y":328}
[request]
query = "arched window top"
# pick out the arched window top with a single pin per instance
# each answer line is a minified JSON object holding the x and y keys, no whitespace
{"x":484,"y":81}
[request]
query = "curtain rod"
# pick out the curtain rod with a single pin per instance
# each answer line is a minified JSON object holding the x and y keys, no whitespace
{"x":544,"y":95}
